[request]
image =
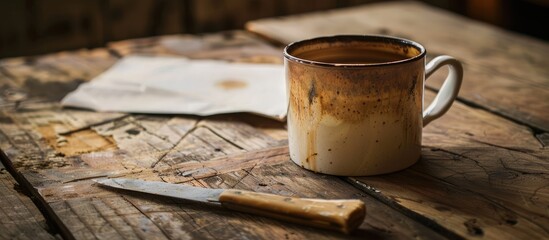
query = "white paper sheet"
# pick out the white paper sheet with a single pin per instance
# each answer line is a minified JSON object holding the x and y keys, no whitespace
{"x":173,"y":85}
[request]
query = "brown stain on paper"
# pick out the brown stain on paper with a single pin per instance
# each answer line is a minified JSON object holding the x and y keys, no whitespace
{"x":231,"y":84}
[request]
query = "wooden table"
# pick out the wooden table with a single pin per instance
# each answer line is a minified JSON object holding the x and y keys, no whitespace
{"x":483,"y":172}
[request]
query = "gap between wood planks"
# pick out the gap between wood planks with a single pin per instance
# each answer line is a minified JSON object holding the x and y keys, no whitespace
{"x":432,"y":224}
{"x":55,"y":225}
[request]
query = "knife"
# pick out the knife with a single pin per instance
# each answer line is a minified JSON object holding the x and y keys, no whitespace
{"x":339,"y":215}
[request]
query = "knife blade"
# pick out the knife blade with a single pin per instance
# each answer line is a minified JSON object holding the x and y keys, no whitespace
{"x":341,"y":215}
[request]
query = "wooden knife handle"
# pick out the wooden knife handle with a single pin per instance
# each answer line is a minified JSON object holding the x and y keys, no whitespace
{"x":340,"y":215}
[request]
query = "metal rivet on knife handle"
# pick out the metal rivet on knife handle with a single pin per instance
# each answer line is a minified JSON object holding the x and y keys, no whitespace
{"x":340,"y":215}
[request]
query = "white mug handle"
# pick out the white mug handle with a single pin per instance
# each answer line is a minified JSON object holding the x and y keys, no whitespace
{"x":449,"y":90}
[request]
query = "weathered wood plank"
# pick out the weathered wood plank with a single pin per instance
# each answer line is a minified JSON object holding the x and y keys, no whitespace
{"x":275,"y":129}
{"x":232,"y":131}
{"x":189,"y":171}
{"x":498,"y":64}
{"x":19,"y":217}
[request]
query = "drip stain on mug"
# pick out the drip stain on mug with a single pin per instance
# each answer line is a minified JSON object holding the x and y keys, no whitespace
{"x":312,"y":93}
{"x":343,"y":110}
{"x":346,"y":94}
{"x":311,"y":150}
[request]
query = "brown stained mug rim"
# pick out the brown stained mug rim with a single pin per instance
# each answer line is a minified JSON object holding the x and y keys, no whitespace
{"x":344,"y":38}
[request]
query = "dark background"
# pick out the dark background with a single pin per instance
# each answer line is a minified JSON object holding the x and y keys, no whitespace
{"x":29,"y":27}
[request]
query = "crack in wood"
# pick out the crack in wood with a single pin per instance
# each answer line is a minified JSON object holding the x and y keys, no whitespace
{"x":198,"y":178}
{"x":504,"y":165}
{"x":89,"y":126}
{"x":543,"y":138}
{"x":459,"y":155}
{"x":430,"y":223}
{"x":163,"y":155}
{"x":216,"y":149}
{"x":531,"y":198}
{"x":218,"y":165}
{"x":85,"y":178}
{"x":248,"y":172}
{"x":202,"y":183}
{"x":522,"y":150}
{"x":139,"y":125}
{"x":224,"y":138}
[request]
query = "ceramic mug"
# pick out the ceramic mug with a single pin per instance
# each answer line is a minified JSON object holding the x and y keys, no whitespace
{"x":356,"y":102}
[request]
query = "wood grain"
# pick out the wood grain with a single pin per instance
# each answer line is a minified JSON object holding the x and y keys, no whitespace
{"x":498,"y":64}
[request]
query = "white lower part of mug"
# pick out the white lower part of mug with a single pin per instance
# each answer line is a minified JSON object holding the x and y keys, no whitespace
{"x":377,"y":145}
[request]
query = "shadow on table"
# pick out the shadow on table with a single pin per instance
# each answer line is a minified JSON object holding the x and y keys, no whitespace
{"x":467,"y":188}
